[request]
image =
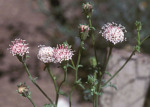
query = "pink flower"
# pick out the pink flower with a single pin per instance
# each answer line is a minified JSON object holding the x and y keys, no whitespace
{"x":19,"y":47}
{"x":46,"y":54}
{"x":113,"y":32}
{"x":83,"y":28}
{"x":83,"y":32}
{"x":62,"y":53}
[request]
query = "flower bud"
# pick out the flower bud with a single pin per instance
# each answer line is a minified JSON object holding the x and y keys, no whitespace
{"x":93,"y":62}
{"x":138,"y":25}
{"x":83,"y":32}
{"x":87,"y":9}
{"x":23,"y":90}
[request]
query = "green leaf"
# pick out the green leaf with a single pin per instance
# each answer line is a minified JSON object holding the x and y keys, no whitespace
{"x":93,"y":28}
{"x":99,"y":93}
{"x":81,"y":86}
{"x":48,"y":105}
{"x":80,"y":66}
{"x":35,"y":78}
{"x":108,"y":73}
{"x":71,"y":66}
{"x":112,"y":85}
{"x":27,"y":56}
{"x":66,"y":44}
{"x":62,"y":93}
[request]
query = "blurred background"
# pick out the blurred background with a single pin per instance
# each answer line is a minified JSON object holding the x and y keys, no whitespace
{"x":51,"y":22}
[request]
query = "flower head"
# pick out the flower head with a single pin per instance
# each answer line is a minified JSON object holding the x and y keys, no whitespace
{"x":113,"y":32}
{"x":83,"y":28}
{"x":19,"y":47}
{"x":83,"y":32}
{"x":87,"y":9}
{"x":46,"y":54}
{"x":23,"y":90}
{"x":62,"y":53}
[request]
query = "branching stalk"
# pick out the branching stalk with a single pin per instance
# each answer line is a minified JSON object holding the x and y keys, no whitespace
{"x":65,"y":77}
{"x":34,"y":82}
{"x":76,"y":72}
{"x":121,"y":67}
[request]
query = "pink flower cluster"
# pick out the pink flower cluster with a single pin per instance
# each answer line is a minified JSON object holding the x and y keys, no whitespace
{"x":56,"y":55}
{"x":46,"y":54}
{"x":113,"y":32}
{"x":19,"y":47}
{"x":84,"y":28}
{"x":62,"y":53}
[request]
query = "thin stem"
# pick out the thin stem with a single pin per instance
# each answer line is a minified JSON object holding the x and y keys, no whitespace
{"x":78,"y":61}
{"x":121,"y":67}
{"x":34,"y":82}
{"x":94,"y":95}
{"x":73,"y":63}
{"x":55,"y":84}
{"x":110,"y":51}
{"x":145,"y":39}
{"x":90,"y":22}
{"x":94,"y":100}
{"x":93,"y":38}
{"x":93,"y":42}
{"x":76,"y":72}
{"x":138,"y":33}
{"x":31,"y":101}
{"x":103,"y":71}
{"x":65,"y":77}
{"x":71,"y":95}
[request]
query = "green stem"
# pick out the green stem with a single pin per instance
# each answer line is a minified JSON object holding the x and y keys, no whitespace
{"x":138,"y":33}
{"x":76,"y":72}
{"x":93,"y":38}
{"x":55,"y":84}
{"x":90,"y":22}
{"x":121,"y":67}
{"x":144,"y":39}
{"x":73,"y":63}
{"x":71,"y":95}
{"x":93,"y":42}
{"x":110,"y":51}
{"x":34,"y":82}
{"x":31,"y":101}
{"x":103,"y":71}
{"x":94,"y":100}
{"x":95,"y":97}
{"x":65,"y":77}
